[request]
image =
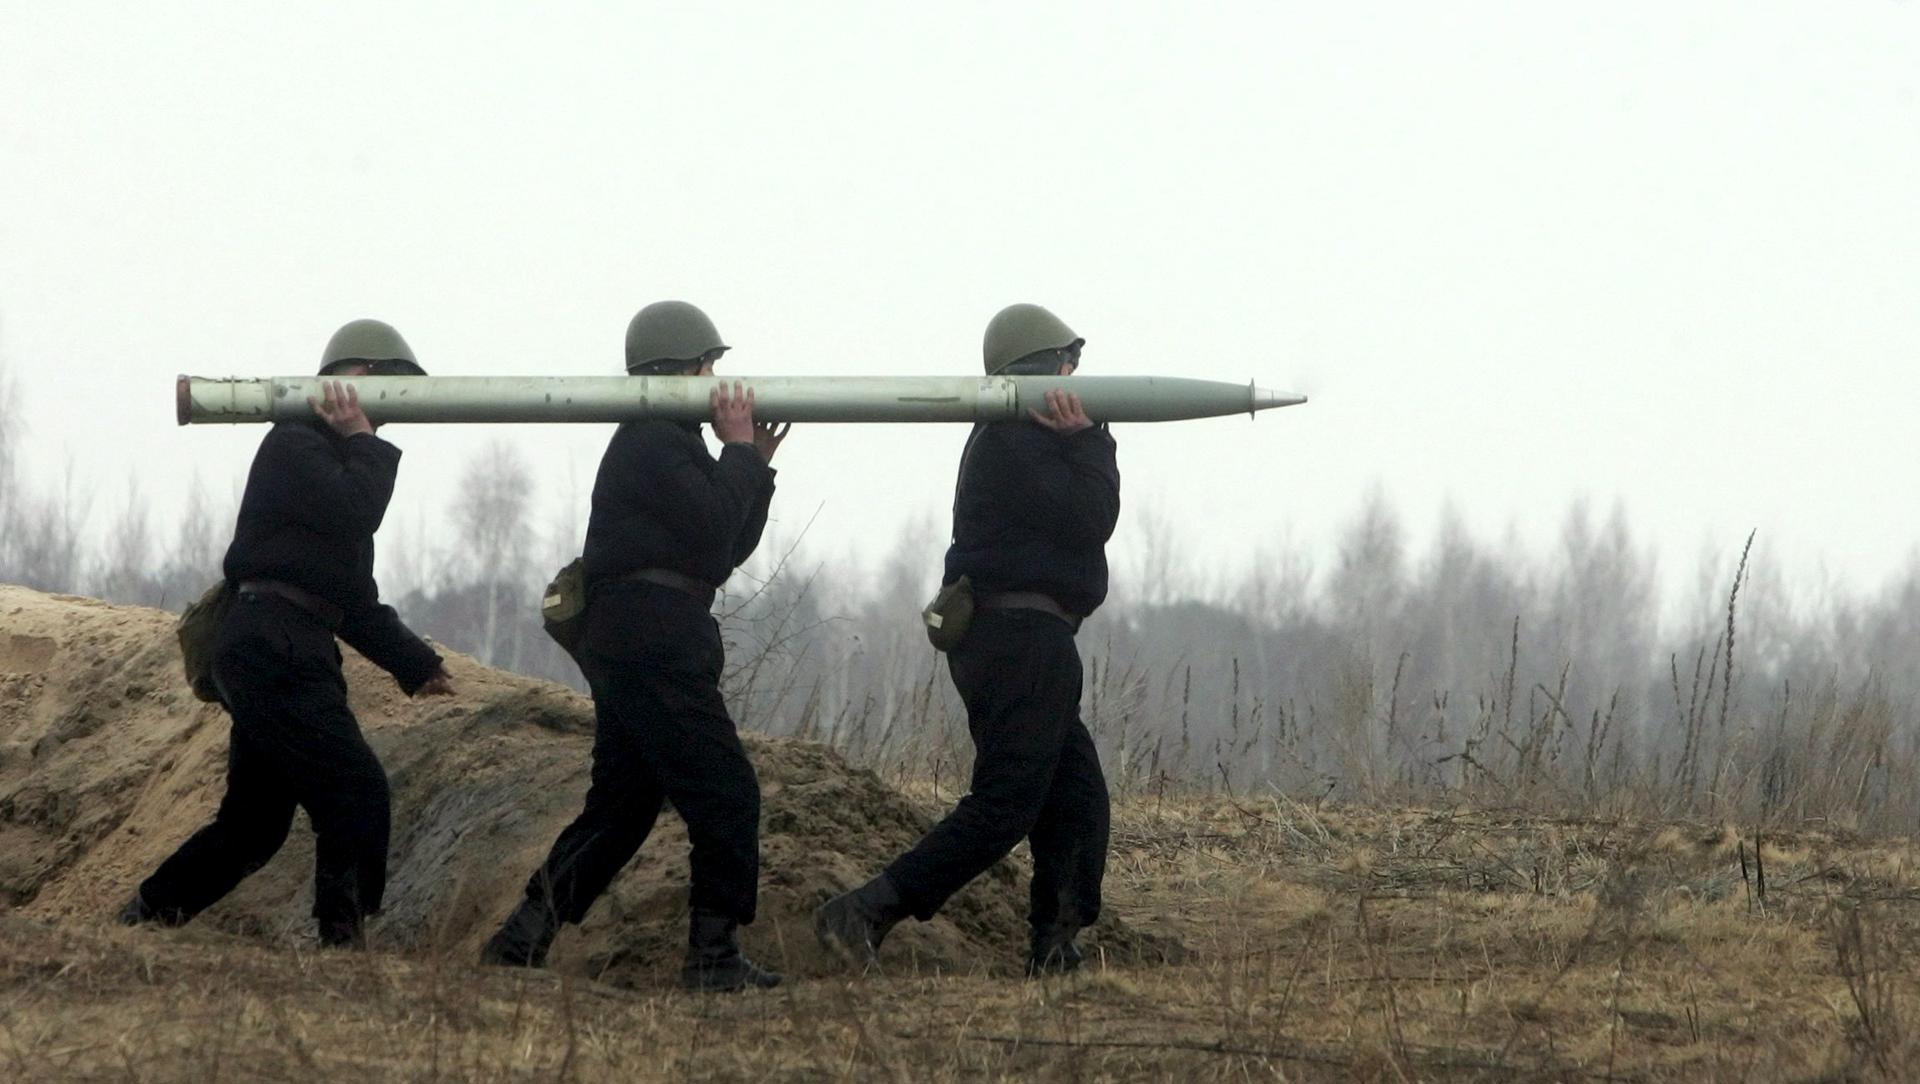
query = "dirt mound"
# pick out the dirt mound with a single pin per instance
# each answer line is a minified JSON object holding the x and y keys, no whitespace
{"x":107,"y":763}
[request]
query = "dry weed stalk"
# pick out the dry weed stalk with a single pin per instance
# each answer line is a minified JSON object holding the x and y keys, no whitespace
{"x":1870,"y":965}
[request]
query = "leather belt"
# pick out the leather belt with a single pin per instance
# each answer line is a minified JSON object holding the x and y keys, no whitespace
{"x":1027,"y":600}
{"x":666,"y":577}
{"x":325,"y":612}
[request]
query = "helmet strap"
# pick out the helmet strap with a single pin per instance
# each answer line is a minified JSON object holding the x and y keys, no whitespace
{"x":1043,"y":362}
{"x":675,"y":366}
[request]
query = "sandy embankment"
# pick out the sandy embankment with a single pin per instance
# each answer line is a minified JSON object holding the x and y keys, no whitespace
{"x":107,"y":763}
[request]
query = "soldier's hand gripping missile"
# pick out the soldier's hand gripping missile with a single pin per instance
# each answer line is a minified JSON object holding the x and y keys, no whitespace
{"x":200,"y":400}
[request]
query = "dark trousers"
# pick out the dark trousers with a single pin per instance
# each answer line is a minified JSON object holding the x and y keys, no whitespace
{"x":294,"y":743}
{"x":652,"y":657}
{"x":1036,"y":775}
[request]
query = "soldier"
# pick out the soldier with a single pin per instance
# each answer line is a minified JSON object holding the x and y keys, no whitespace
{"x":670,"y":522}
{"x":301,"y":564}
{"x":1035,"y":504}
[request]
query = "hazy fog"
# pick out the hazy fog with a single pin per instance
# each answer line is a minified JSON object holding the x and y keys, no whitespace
{"x":1520,"y":255}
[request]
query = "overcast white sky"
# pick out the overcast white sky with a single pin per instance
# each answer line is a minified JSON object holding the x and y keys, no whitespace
{"x":1519,"y":254}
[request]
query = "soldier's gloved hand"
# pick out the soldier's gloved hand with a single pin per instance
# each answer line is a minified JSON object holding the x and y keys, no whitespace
{"x":440,"y":684}
{"x":339,"y":407}
{"x":1064,"y":414}
{"x":767,"y":437}
{"x":732,"y":414}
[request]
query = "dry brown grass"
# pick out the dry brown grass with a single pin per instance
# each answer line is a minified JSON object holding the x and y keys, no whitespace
{"x":1328,"y":943}
{"x":1475,"y":937}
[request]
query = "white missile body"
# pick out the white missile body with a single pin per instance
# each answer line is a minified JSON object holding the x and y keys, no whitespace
{"x":200,"y":400}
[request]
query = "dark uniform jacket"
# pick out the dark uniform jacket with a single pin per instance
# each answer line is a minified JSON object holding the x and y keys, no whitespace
{"x":1034,"y":511}
{"x":312,"y":503}
{"x":662,"y":501}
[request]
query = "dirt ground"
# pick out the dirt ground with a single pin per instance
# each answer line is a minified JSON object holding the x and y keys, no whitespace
{"x":107,"y":763}
{"x":1251,"y":938}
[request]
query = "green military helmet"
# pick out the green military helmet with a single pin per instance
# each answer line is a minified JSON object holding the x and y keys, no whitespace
{"x":374,"y":344}
{"x":1019,"y":330}
{"x":671,"y":331}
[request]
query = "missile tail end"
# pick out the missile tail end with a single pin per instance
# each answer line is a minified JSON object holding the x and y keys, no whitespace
{"x":182,"y":400}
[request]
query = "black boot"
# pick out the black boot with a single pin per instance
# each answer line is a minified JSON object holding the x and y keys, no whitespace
{"x":853,"y":924}
{"x":138,"y":913}
{"x":715,"y":964}
{"x":1053,"y":951}
{"x":523,"y":939}
{"x":343,"y":933}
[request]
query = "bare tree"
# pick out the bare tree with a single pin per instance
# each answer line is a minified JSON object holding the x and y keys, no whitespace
{"x":39,"y":536}
{"x":44,"y":548}
{"x":9,"y":433}
{"x":490,"y":513}
{"x":199,"y":543}
{"x":1155,"y":578}
{"x":125,"y":571}
{"x":1369,"y":577}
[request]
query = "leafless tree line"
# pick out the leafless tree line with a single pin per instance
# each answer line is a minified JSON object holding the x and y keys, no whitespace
{"x":1463,"y":669}
{"x":43,"y":542}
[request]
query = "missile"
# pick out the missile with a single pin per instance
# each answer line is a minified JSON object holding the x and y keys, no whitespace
{"x":201,"y":400}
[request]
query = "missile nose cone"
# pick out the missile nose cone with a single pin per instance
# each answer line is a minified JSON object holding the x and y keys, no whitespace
{"x":1268,"y":398}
